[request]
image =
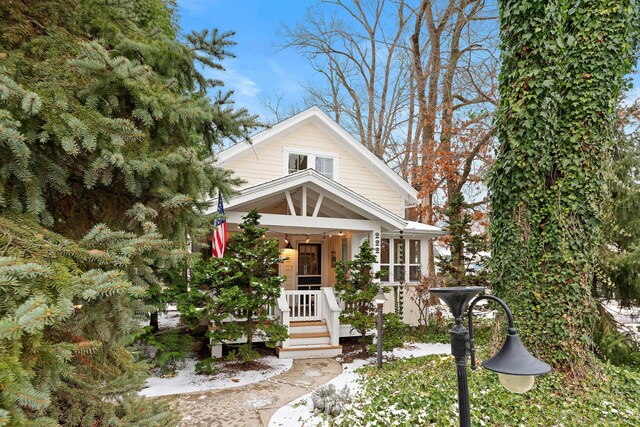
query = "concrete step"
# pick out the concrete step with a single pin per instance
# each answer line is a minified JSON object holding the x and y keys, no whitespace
{"x":309,"y":352}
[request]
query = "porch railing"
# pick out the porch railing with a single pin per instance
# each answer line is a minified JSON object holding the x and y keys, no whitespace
{"x":241,"y":315}
{"x":332,"y":316}
{"x":284,"y":311}
{"x":305,"y":305}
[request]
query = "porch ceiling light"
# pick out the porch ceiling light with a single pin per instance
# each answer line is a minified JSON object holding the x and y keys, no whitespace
{"x":286,"y":240}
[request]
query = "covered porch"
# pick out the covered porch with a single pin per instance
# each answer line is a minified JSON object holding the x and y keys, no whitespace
{"x":318,"y":222}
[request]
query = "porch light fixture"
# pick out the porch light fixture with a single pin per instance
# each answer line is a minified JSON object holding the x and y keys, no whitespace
{"x":380,"y":299}
{"x":287,"y":243}
{"x":307,"y":240}
{"x":340,"y":233}
{"x":516,"y":367}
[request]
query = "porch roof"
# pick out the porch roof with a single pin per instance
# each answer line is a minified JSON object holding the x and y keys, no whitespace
{"x":314,"y":191}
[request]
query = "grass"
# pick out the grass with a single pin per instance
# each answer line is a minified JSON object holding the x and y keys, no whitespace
{"x":428,"y":396}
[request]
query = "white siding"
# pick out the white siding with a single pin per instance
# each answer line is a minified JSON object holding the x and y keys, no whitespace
{"x":265,"y":163}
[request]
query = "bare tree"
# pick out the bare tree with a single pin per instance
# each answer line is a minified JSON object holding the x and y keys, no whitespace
{"x":355,"y":45}
{"x":415,"y":81}
{"x":455,"y":80}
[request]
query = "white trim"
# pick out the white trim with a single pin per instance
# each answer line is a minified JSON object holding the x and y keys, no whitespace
{"x":292,"y":208}
{"x":304,"y":201}
{"x":324,"y":121}
{"x":348,"y":197}
{"x":292,"y":149}
{"x":318,"y":204}
{"x":276,"y":220}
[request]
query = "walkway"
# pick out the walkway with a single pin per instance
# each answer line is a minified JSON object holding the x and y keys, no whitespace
{"x":252,"y":405}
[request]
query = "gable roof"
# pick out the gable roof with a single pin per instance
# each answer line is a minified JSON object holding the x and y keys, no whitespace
{"x":348,"y":198}
{"x":322,"y":120}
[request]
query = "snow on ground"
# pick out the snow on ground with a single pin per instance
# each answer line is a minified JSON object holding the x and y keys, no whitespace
{"x":300,"y":411}
{"x":169,"y":319}
{"x":187,"y":381}
{"x":629,"y":318}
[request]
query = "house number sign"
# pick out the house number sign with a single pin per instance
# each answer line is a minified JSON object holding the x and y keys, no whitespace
{"x":376,"y":243}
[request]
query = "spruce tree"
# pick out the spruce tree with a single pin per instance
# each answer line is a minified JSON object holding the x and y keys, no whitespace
{"x":106,"y":115}
{"x":621,"y":248}
{"x":107,"y":131}
{"x":67,"y":311}
{"x":236,"y":291}
{"x":355,"y":282}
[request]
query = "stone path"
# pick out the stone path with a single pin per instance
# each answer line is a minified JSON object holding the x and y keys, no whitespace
{"x":252,"y":405}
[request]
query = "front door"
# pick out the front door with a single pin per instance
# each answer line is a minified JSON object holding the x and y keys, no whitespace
{"x":309,"y":266}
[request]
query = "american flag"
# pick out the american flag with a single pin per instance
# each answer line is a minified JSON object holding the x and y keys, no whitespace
{"x":219,"y":233}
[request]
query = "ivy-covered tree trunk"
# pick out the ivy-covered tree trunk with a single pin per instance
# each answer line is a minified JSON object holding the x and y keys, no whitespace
{"x":563,"y":69}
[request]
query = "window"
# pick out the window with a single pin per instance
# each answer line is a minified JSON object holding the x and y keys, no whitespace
{"x":297,"y":162}
{"x":298,"y":159}
{"x":414,"y":261}
{"x":398,"y":260}
{"x":384,"y":260}
{"x":308,"y":259}
{"x":324,"y":165}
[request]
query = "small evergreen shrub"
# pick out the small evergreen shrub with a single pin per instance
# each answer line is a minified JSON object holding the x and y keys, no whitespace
{"x":207,"y":366}
{"x":328,"y":400}
{"x":167,"y":350}
{"x":244,"y":353}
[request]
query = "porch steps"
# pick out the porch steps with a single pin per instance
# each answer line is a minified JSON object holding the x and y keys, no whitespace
{"x":309,"y":340}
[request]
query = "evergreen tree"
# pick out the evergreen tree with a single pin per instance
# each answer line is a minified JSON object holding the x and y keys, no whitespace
{"x":473,"y":271}
{"x":105,"y":118}
{"x":106,"y":115}
{"x":619,"y":261}
{"x":355,"y":282}
{"x":236,"y":291}
{"x":67,"y":310}
{"x":563,"y":70}
{"x":621,"y":249}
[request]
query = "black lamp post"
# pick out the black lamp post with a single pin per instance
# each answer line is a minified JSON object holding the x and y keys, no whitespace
{"x":380,"y":300}
{"x":516,"y":367}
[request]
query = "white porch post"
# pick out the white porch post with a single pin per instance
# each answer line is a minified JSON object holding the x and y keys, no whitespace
{"x":355,"y":244}
{"x":424,"y":256}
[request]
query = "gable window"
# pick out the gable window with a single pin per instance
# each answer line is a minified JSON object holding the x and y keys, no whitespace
{"x":298,"y":159}
{"x":324,"y":165}
{"x":297,"y":162}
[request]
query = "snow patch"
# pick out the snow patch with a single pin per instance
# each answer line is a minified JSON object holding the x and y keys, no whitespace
{"x":300,"y":411}
{"x":187,"y":381}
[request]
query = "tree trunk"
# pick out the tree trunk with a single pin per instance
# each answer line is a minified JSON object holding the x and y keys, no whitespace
{"x":153,"y":322}
{"x":563,"y":70}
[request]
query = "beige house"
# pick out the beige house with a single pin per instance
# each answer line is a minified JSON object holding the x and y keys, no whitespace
{"x":321,"y":194}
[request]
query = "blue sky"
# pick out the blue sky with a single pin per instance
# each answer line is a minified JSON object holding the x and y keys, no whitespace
{"x":261,"y":68}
